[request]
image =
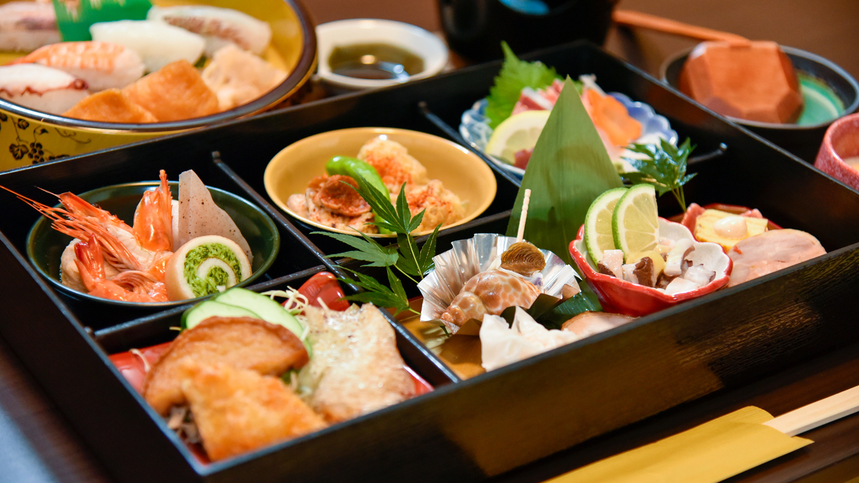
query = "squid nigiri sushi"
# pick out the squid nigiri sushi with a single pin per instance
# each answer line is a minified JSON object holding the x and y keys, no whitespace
{"x":102,"y":65}
{"x":25,"y":26}
{"x":157,"y":43}
{"x":41,"y":88}
{"x":219,"y":26}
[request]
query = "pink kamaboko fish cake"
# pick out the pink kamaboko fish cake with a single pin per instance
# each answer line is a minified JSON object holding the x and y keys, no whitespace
{"x":102,"y":65}
{"x":41,"y":88}
{"x":219,"y":26}
{"x":157,"y":43}
{"x":25,"y":26}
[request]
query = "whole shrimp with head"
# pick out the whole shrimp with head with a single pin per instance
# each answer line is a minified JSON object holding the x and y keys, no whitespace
{"x":116,"y":261}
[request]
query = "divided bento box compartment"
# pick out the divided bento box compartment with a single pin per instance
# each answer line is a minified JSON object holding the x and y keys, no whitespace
{"x":463,"y":430}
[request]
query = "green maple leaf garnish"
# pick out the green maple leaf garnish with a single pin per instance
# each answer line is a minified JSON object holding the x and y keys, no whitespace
{"x":664,"y":167}
{"x":412,"y":262}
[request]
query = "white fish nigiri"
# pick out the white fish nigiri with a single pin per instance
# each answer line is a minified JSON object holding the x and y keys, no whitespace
{"x":41,"y":88}
{"x":25,"y":26}
{"x":157,"y":43}
{"x":102,"y":65}
{"x":218,"y":26}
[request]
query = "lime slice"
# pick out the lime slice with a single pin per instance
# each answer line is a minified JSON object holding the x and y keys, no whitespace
{"x":515,"y":134}
{"x":635,"y":222}
{"x":598,"y":233}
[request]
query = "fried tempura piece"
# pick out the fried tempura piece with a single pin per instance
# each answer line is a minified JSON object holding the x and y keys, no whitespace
{"x":238,"y":410}
{"x":393,"y":162}
{"x":111,"y":105}
{"x":173,"y":93}
{"x":240,"y":342}
{"x":356,"y":367}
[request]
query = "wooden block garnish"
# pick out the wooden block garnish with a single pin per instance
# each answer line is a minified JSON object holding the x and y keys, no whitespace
{"x":754,"y":81}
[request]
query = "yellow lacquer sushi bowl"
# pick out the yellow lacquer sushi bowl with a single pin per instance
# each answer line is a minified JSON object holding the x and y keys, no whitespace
{"x":28,"y":136}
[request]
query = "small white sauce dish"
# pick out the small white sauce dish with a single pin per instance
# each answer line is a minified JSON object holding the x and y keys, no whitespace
{"x":416,"y":40}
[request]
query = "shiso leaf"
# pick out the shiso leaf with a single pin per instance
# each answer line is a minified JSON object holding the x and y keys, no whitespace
{"x":567,"y":171}
{"x":515,"y":75}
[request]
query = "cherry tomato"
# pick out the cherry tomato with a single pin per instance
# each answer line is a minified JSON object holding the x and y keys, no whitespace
{"x":132,"y":367}
{"x":324,"y":286}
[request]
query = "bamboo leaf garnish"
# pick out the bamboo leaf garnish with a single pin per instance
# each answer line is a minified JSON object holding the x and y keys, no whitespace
{"x":567,"y":171}
{"x":664,"y":167}
{"x":407,"y":258}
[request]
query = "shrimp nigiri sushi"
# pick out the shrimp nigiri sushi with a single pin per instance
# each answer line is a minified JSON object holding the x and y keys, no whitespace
{"x":219,"y":26}
{"x":25,"y":26}
{"x":102,"y":65}
{"x":41,"y":88}
{"x":157,"y":43}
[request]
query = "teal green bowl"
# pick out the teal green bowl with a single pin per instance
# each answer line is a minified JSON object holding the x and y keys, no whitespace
{"x":45,"y":245}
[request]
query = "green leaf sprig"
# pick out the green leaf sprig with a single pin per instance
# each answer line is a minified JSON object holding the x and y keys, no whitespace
{"x":412,"y":262}
{"x":664,"y":167}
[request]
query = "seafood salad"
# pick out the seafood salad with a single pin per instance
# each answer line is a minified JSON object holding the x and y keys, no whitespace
{"x":103,"y":79}
{"x":386,"y":165}
{"x":236,"y":383}
{"x":174,"y":250}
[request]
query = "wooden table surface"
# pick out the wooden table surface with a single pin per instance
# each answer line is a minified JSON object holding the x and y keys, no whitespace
{"x":38,"y":445}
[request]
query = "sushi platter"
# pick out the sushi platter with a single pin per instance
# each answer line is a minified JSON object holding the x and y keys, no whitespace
{"x":721,"y":339}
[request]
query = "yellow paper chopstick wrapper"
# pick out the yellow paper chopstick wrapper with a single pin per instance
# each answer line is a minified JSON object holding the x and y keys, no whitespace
{"x":711,"y":452}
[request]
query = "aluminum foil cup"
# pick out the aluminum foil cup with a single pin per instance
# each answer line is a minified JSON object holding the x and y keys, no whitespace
{"x":467,"y":258}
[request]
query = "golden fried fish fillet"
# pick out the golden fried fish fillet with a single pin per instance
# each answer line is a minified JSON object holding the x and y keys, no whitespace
{"x":356,"y":367}
{"x":111,"y":105}
{"x":240,"y":342}
{"x":239,"y":410}
{"x":174,"y":93}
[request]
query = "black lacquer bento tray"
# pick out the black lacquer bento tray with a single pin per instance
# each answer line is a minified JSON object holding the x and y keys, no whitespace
{"x":463,"y":430}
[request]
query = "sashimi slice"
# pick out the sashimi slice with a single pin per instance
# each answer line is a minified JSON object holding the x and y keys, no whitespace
{"x":200,"y":216}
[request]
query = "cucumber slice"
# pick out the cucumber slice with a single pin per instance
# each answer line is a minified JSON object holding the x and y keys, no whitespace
{"x":210,"y":308}
{"x":266,"y":308}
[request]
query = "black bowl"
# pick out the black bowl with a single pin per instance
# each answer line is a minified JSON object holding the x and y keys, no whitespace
{"x":45,"y":245}
{"x":803,"y":141}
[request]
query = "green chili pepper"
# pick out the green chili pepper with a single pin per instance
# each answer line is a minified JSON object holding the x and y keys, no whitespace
{"x":363,"y":173}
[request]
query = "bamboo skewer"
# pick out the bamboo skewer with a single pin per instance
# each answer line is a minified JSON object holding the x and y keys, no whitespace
{"x":643,"y":20}
{"x":525,"y":201}
{"x":817,"y":413}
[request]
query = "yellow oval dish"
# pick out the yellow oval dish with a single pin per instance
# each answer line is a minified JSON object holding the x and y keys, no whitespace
{"x":460,"y":170}
{"x":28,"y":136}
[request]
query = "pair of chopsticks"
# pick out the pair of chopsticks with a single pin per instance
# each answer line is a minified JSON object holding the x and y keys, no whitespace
{"x":631,"y":18}
{"x":817,"y":413}
{"x":717,"y":449}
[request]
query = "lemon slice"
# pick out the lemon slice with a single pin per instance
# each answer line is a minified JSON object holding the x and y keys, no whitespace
{"x":635,"y":222}
{"x":515,"y":134}
{"x":598,"y":234}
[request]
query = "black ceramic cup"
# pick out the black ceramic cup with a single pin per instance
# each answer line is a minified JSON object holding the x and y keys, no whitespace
{"x":475,"y":28}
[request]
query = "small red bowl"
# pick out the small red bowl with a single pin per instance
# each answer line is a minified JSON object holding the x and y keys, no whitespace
{"x":623,"y":297}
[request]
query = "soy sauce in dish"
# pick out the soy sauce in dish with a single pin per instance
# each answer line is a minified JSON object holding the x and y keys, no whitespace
{"x":374,"y":61}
